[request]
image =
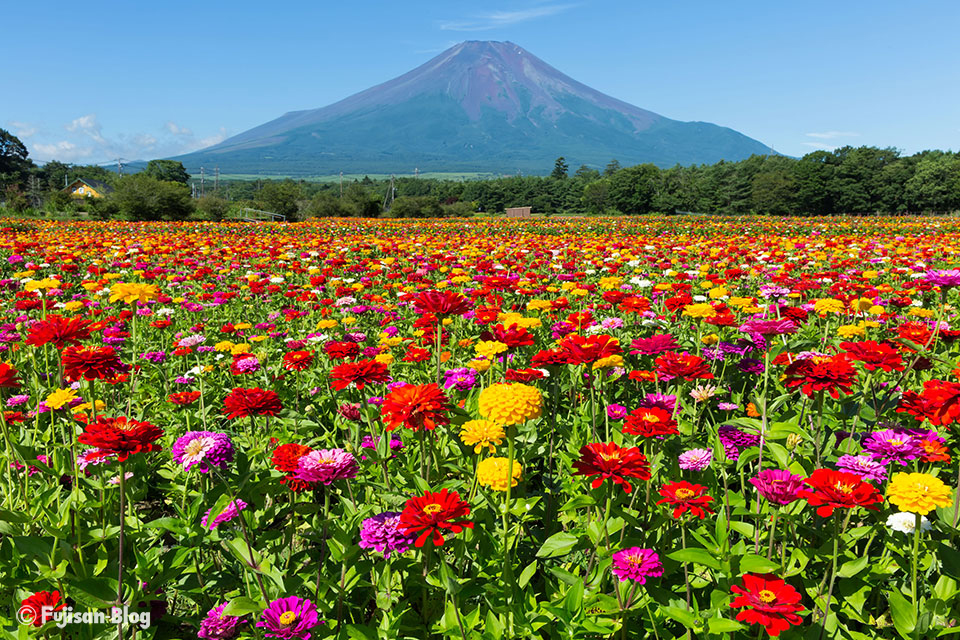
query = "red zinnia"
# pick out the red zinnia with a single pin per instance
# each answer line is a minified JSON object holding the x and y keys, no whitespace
{"x":286,"y":458}
{"x":415,"y":407}
{"x":441,"y":303}
{"x":683,"y":497}
{"x":58,"y":331}
{"x":242,"y":403}
{"x":649,"y":422}
{"x":360,"y":373}
{"x":341,"y":350}
{"x":297,"y":360}
{"x":939,"y":403}
{"x":837,"y":489}
{"x":682,"y":365}
{"x":874,"y":355}
{"x":120,"y":437}
{"x":609,"y":461}
{"x":38,"y":609}
{"x":583,"y":350}
{"x":768,"y":601}
{"x":8,"y":377}
{"x":183,"y":398}
{"x":523,"y":375}
{"x":432,"y":514}
{"x":91,"y":363}
{"x":821,"y":373}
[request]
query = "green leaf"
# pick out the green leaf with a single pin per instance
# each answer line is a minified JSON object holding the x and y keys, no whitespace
{"x":682,"y":616}
{"x":527,"y":574}
{"x":752,"y":563}
{"x":723,"y":625}
{"x":904,"y":617}
{"x":697,"y":555}
{"x":853,"y":567}
{"x":360,"y":632}
{"x":241,"y":606}
{"x":573,"y":601}
{"x":559,"y":544}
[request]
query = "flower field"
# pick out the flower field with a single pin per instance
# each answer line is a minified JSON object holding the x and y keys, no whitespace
{"x":557,"y":428}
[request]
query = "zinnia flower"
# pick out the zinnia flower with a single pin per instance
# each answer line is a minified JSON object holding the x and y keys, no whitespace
{"x":289,"y":618}
{"x":636,"y":564}
{"x":906,"y":522}
{"x":243,"y":403}
{"x":481,"y":433}
{"x":649,"y":423}
{"x":120,"y":437}
{"x":821,"y":373}
{"x":382,"y":532}
{"x":768,"y":601}
{"x":326,"y":465}
{"x":684,"y":497}
{"x":492,"y":472}
{"x":433,"y":514}
{"x":58,"y":331}
{"x":8,"y":377}
{"x":918,"y":492}
{"x":415,"y":407}
{"x":509,"y":404}
{"x":441,"y":303}
{"x":359,"y":374}
{"x":682,"y":365}
{"x":217,"y":626}
{"x":889,"y":446}
{"x":297,"y":360}
{"x":610,"y":461}
{"x":38,"y":608}
{"x":91,"y":363}
{"x":777,"y":486}
{"x":203,"y":449}
{"x":864,"y":466}
{"x":831,"y":490}
{"x":231,"y":511}
{"x":696,"y":459}
{"x":286,"y":459}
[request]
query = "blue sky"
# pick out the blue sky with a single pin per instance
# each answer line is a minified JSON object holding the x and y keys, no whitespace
{"x":85,"y":82}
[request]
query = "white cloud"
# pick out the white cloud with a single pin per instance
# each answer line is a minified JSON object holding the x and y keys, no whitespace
{"x":23,"y":130}
{"x":497,"y":19}
{"x":832,"y":135}
{"x":87,"y":124}
{"x":820,"y":145}
{"x":90,"y":144}
{"x":64,"y":151}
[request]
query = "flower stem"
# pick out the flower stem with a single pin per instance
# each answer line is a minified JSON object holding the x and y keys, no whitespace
{"x":916,"y":561}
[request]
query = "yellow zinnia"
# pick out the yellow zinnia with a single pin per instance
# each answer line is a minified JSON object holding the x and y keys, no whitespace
{"x":509,"y":404}
{"x":60,"y":397}
{"x":702,"y":310}
{"x":492,"y":472}
{"x":918,"y":492}
{"x":130,"y":292}
{"x":481,"y":433}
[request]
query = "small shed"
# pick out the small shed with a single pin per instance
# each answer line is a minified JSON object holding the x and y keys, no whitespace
{"x":519,"y":212}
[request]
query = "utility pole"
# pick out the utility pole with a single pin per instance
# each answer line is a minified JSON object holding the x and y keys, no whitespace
{"x":120,"y":167}
{"x":416,"y":172}
{"x":201,"y":182}
{"x":341,"y":184}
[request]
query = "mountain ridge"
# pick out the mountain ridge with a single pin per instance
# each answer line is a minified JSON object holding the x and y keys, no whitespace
{"x":479,"y":106}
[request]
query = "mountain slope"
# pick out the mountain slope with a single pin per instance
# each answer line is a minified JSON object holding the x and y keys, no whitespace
{"x":479,"y":106}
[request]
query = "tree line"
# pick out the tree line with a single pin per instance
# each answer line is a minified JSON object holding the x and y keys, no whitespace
{"x":847,"y":180}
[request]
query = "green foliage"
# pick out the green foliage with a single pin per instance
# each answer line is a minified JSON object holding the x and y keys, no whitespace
{"x":280,"y":197}
{"x":167,"y":170}
{"x":415,"y":207}
{"x":213,"y":207}
{"x":560,"y":169}
{"x":14,"y":163}
{"x":142,"y":197}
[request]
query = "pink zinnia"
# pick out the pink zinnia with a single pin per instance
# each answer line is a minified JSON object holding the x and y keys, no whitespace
{"x":654,"y":345}
{"x":769,"y":327}
{"x":327,"y":465}
{"x":696,"y":459}
{"x":289,"y":618}
{"x":778,"y":486}
{"x":636,"y":564}
{"x":229,"y":513}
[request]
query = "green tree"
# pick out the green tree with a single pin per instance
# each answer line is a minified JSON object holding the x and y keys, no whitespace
{"x":586,"y":174}
{"x":167,"y":170}
{"x":935,"y":185}
{"x":213,"y":207}
{"x":280,"y":197}
{"x":596,"y":196}
{"x":632,"y":189}
{"x":612,"y":167}
{"x":415,"y":207}
{"x":559,"y":169}
{"x":144,"y":198}
{"x":14,"y":162}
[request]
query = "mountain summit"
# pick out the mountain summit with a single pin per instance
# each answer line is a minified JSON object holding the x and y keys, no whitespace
{"x":477,"y":107}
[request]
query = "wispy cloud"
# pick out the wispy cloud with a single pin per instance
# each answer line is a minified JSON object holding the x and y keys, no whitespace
{"x":87,"y":142}
{"x":833,"y":135}
{"x":820,"y":145}
{"x":497,"y":19}
{"x":23,"y":130}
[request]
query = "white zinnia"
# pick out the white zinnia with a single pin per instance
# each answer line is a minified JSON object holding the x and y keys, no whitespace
{"x":906,"y":522}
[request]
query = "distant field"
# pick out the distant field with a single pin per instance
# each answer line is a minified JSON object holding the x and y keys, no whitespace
{"x":359,"y":176}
